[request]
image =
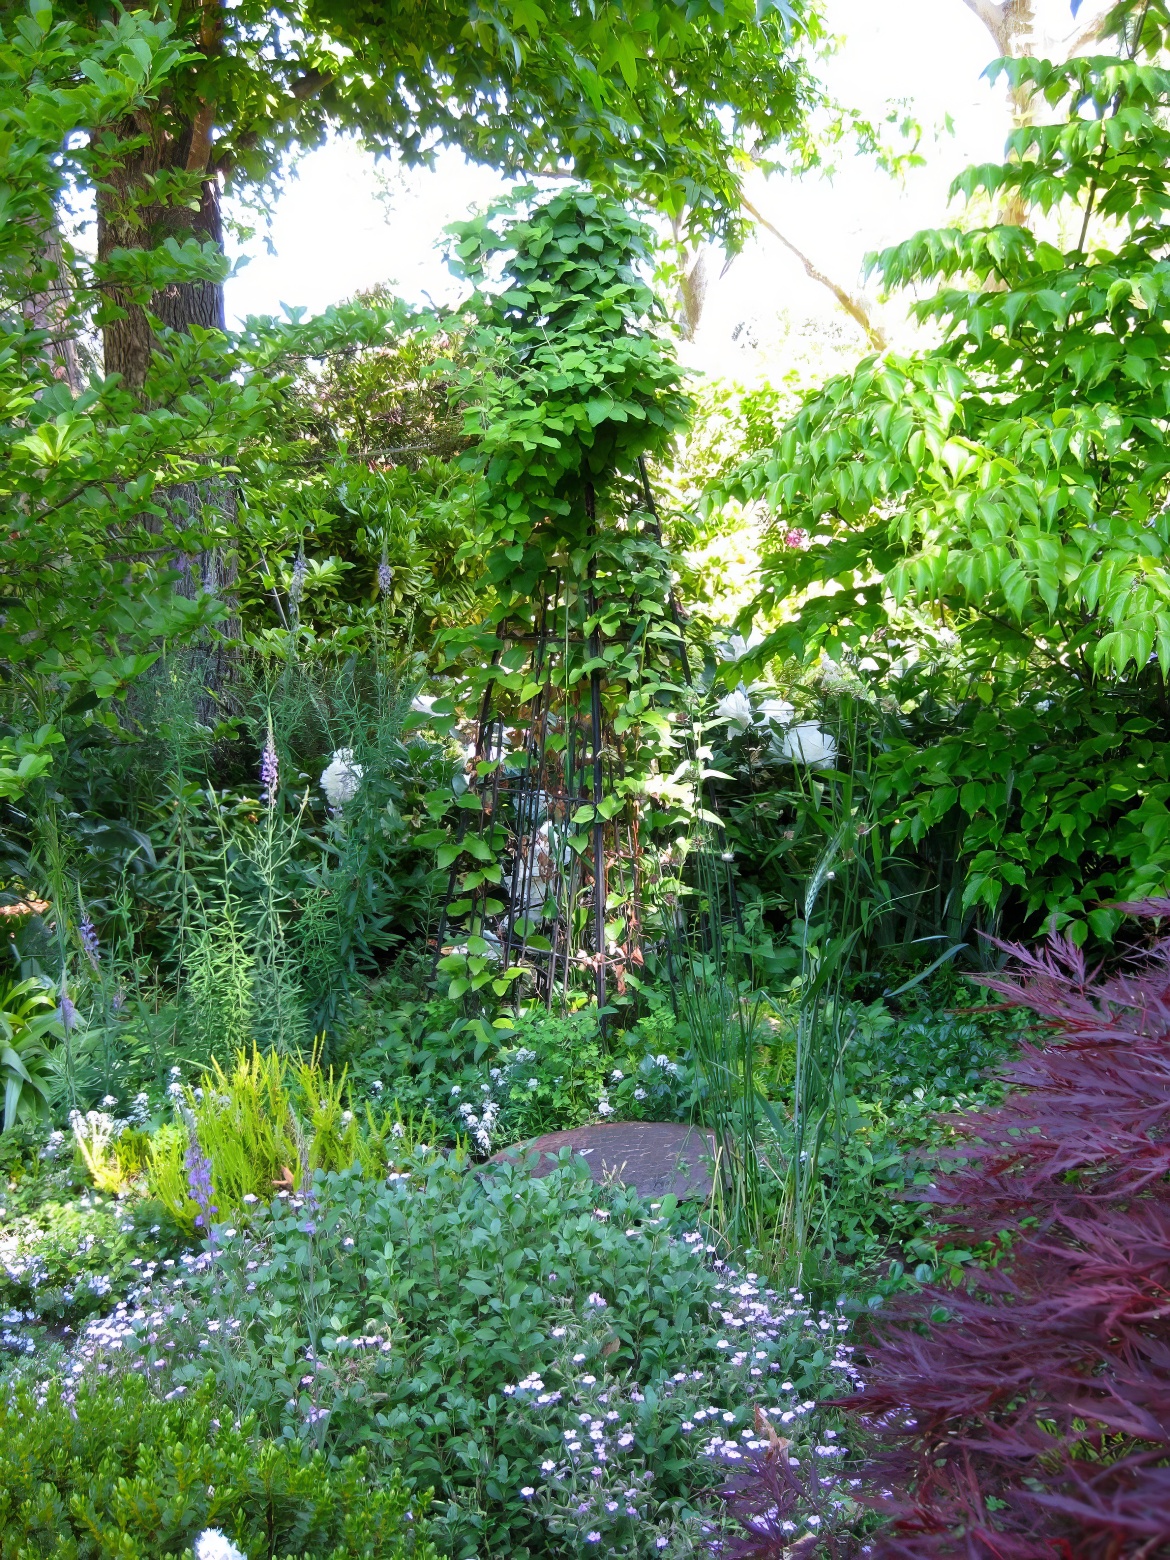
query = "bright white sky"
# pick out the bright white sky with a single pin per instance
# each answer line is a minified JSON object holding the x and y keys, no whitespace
{"x":343,"y":225}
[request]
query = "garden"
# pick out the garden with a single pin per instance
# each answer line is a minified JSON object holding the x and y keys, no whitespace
{"x":438,"y":741}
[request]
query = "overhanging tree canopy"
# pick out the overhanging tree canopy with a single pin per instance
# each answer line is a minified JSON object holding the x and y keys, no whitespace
{"x":649,"y":98}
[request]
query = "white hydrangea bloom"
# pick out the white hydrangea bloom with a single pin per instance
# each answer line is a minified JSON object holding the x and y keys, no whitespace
{"x":212,"y":1544}
{"x":775,"y":712}
{"x":736,"y":709}
{"x":806,"y":743}
{"x":341,"y":779}
{"x":737,"y":646}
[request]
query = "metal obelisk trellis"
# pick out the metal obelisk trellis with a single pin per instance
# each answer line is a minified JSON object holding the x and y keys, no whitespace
{"x":560,"y":900}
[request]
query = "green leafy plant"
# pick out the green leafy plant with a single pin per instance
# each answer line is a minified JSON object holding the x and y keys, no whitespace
{"x":1007,"y":489}
{"x":268,"y":1122}
{"x":75,"y":1257}
{"x":29,"y":1021}
{"x":109,"y":1468}
{"x":573,"y":386}
{"x":459,"y":1322}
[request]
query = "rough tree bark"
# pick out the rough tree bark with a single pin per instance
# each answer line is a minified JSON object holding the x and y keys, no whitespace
{"x":127,"y":219}
{"x":692,"y":291}
{"x":1012,"y":25}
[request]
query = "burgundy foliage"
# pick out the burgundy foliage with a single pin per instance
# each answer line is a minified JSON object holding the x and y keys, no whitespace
{"x":1034,"y":1419}
{"x":772,"y":1499}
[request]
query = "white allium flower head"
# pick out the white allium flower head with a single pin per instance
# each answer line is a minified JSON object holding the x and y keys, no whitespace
{"x":212,"y":1544}
{"x":736,"y":709}
{"x":341,"y":779}
{"x":806,"y":743}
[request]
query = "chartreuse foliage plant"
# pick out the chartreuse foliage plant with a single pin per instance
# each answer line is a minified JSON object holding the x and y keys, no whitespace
{"x":268,"y":1121}
{"x":1005,"y":495}
{"x":110,"y":1469}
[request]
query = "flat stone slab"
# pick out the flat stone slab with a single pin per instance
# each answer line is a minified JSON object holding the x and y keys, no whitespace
{"x":656,"y":1158}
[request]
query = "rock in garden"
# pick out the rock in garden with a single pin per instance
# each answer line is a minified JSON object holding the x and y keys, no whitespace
{"x":654,"y":1157}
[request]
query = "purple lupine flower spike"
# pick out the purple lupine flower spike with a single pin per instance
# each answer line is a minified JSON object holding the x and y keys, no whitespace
{"x":89,"y":939}
{"x":199,"y":1184}
{"x":269,"y":769}
{"x":385,"y":577}
{"x":300,"y":573}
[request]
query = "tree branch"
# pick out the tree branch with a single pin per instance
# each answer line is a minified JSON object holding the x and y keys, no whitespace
{"x":200,"y":148}
{"x":853,"y":306}
{"x":994,"y":18}
{"x":309,"y":84}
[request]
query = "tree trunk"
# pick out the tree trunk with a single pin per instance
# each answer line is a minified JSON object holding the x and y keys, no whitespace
{"x":129,"y":219}
{"x":48,"y":310}
{"x":1012,"y":25}
{"x":692,"y":291}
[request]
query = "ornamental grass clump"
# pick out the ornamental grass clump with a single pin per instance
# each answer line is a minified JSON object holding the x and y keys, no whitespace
{"x":1027,"y":1413}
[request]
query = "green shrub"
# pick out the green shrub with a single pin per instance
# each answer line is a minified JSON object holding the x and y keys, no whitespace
{"x":491,"y":1085}
{"x":117,"y":1472}
{"x":903,"y":1077}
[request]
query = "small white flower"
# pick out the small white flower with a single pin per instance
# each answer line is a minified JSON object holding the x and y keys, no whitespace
{"x":736,"y":709}
{"x":212,"y":1544}
{"x":639,"y":1094}
{"x":341,"y":779}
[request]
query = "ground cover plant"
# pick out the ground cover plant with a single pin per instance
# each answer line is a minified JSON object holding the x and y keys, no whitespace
{"x":465,"y":1326}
